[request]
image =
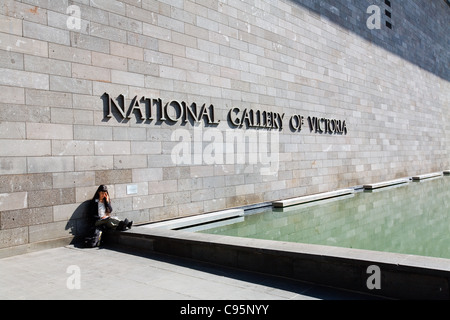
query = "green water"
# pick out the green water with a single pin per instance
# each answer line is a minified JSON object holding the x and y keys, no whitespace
{"x":413,"y":219}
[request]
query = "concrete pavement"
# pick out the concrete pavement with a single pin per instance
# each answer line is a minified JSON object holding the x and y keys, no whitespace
{"x":71,"y":273}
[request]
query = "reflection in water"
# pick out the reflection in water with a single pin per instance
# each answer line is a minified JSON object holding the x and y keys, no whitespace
{"x":410,"y":219}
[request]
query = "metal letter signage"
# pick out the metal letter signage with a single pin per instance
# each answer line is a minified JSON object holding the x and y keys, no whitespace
{"x":147,"y":109}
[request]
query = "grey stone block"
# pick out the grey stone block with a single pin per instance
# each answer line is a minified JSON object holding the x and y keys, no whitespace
{"x":296,"y":58}
{"x":13,"y":237}
{"x":45,"y":33}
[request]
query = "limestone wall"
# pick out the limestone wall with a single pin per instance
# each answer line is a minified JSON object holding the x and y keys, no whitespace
{"x":183,"y":107}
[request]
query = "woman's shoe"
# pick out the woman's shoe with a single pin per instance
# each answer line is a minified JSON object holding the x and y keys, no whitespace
{"x":125,"y":223}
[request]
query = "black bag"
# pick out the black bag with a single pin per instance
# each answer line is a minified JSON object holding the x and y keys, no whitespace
{"x":94,"y":239}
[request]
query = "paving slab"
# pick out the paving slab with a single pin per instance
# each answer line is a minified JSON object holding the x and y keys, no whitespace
{"x":71,"y":273}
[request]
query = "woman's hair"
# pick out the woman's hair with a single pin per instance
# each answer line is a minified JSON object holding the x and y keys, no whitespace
{"x":102,"y":187}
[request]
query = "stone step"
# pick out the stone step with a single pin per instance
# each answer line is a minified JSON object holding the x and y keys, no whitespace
{"x":311,"y":198}
{"x":427,"y":176}
{"x":196,"y":220}
{"x":384,"y":184}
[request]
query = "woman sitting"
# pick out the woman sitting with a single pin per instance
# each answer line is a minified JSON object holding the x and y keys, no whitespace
{"x":101,"y":210}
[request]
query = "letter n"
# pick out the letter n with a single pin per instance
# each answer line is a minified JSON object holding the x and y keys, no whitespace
{"x":110,"y":103}
{"x":374,"y":21}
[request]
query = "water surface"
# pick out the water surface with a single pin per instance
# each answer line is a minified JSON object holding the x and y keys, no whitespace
{"x":413,"y":218}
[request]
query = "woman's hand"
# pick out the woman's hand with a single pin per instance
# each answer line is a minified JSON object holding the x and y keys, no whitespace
{"x":103,"y":195}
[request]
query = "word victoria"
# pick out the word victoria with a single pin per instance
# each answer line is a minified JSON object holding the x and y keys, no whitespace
{"x":319,"y":125}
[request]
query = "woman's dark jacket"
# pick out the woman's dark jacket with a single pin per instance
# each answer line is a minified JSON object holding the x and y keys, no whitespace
{"x":93,"y":209}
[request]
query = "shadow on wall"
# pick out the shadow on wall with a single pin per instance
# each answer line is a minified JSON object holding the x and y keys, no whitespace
{"x":416,"y":30}
{"x":79,"y":223}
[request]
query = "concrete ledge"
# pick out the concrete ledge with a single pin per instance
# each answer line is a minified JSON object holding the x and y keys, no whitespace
{"x":35,"y":246}
{"x":402,"y":276}
{"x":311,"y":198}
{"x":427,"y":176}
{"x":196,"y":220}
{"x":385,"y":184}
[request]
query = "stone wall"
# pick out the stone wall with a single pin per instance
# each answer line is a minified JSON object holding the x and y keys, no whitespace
{"x":183,"y":107}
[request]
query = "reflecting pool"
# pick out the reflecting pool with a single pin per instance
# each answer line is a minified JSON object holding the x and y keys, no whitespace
{"x":413,"y":218}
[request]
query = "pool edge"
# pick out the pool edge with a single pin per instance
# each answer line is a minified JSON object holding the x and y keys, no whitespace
{"x":401,"y":276}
